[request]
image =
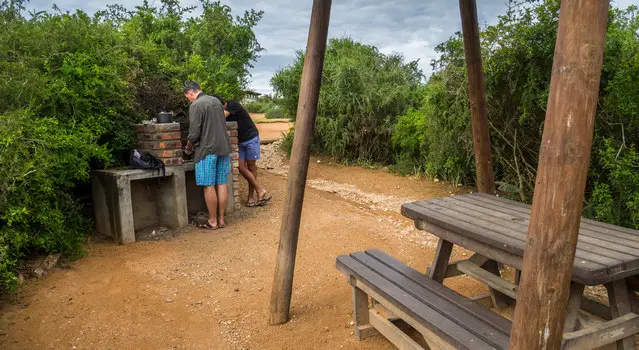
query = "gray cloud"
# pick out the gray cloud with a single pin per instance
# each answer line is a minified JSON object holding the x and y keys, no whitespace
{"x":410,"y":27}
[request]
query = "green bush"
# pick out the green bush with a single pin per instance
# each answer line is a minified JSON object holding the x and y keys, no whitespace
{"x":276,"y":112}
{"x":363,"y":93}
{"x":257,"y":107}
{"x":40,"y":163}
{"x":71,"y":88}
{"x":287,"y":141}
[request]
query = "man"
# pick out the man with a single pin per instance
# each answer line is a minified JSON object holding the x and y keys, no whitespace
{"x":248,"y":149}
{"x":208,"y":139}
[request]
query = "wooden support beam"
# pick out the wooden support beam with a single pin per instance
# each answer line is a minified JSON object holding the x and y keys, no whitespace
{"x":478,"y":110}
{"x":564,"y":157}
{"x":437,"y":271}
{"x":304,"y":125}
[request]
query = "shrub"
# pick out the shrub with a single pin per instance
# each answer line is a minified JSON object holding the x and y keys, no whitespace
{"x":40,"y":163}
{"x":276,"y":112}
{"x":363,"y":93}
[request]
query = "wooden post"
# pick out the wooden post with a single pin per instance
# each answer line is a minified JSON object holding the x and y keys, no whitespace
{"x":561,"y":176}
{"x":304,"y":125}
{"x":478,"y":110}
{"x":479,"y":115}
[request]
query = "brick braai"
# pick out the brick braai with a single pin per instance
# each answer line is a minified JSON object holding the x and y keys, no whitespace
{"x":162,"y":141}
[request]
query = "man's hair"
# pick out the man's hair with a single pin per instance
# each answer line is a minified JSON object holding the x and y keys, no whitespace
{"x":220,"y":98}
{"x":191,"y":86}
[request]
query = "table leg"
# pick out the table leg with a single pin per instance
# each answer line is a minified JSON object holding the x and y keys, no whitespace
{"x":620,"y":305}
{"x":500,"y":301}
{"x":437,"y":271}
{"x":574,"y":304}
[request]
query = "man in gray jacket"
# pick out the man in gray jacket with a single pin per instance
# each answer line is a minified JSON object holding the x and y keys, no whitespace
{"x":208,"y":138}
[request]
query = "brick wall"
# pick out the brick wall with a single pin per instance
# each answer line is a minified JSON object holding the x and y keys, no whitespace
{"x":231,"y":128}
{"x":162,"y":141}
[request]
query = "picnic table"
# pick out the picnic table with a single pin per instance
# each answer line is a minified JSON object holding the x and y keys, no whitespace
{"x":495,"y":229}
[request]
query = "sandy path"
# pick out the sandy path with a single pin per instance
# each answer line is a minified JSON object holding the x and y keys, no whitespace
{"x":210,"y":290}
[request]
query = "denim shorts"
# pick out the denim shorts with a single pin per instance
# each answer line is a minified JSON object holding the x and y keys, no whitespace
{"x":250,"y":150}
{"x":212,"y":170}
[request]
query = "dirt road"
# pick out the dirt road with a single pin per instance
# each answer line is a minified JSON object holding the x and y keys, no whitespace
{"x":270,"y":132}
{"x":210,"y":289}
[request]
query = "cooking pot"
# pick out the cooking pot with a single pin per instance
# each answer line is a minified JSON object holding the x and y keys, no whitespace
{"x":165,"y":117}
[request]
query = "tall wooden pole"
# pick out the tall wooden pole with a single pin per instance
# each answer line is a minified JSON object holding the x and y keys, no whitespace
{"x":478,"y":110}
{"x":304,"y":125}
{"x":561,"y":176}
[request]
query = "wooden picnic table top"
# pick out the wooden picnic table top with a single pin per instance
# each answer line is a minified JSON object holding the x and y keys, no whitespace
{"x":604,"y":252}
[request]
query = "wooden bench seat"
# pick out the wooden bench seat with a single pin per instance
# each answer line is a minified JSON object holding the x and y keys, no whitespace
{"x":445,"y":318}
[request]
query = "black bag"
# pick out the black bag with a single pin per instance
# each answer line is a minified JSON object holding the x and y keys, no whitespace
{"x":146,"y":161}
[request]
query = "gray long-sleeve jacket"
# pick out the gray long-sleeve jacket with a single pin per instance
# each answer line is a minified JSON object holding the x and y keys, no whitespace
{"x":207,"y":130}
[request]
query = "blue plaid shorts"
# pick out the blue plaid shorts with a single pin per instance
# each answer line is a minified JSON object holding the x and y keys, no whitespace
{"x":212,"y":170}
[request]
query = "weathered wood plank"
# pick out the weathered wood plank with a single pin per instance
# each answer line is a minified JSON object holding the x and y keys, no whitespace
{"x":475,"y":223}
{"x":620,"y":248}
{"x":437,"y":271}
{"x":620,"y":306}
{"x":595,"y":336}
{"x":587,"y":247}
{"x":363,"y":328}
{"x":485,"y":300}
{"x":431,"y":295}
{"x":489,"y":279}
{"x":493,"y":319}
{"x":574,"y":304}
{"x":608,"y":229}
{"x":395,"y":335}
{"x":413,"y":310}
{"x":434,"y":341}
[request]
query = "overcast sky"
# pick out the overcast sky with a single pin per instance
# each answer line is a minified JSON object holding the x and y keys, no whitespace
{"x":411,"y":27}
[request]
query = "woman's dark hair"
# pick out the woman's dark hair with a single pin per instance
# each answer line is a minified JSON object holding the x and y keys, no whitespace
{"x":220,"y":98}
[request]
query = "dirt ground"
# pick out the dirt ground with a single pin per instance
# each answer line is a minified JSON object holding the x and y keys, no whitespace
{"x":270,"y":132}
{"x":210,"y":289}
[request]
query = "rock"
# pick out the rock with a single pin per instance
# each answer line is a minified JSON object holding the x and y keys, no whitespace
{"x":48,"y":263}
{"x":169,"y":300}
{"x":352,"y":323}
{"x":436,"y":180}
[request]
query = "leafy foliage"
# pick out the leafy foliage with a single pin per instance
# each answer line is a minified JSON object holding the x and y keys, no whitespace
{"x":72,"y":85}
{"x":363,"y":92}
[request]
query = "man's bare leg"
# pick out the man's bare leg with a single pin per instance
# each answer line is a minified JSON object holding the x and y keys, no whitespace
{"x":223,"y":197}
{"x":210,"y":197}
